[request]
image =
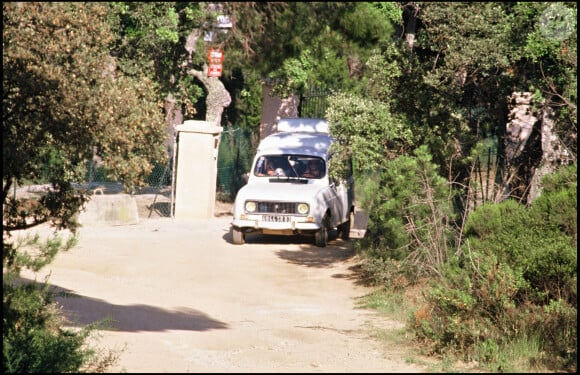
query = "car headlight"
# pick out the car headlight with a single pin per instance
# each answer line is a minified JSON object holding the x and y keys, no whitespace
{"x":250,"y":206}
{"x":303,"y":208}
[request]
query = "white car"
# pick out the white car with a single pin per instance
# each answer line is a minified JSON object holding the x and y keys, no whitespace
{"x":284,"y":194}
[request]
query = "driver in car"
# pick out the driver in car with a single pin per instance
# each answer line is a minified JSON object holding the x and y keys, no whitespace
{"x":312,"y":170}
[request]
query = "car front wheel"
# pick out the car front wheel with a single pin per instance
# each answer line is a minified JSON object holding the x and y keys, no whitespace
{"x":321,"y":235}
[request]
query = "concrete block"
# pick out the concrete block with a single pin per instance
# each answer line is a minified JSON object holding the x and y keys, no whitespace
{"x":112,"y":209}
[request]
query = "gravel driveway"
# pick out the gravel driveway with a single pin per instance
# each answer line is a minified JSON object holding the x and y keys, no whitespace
{"x":183,"y":298}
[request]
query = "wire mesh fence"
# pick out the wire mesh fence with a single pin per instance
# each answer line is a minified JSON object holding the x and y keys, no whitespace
{"x":235,"y":154}
{"x":486,"y":180}
{"x":236,"y":151}
{"x":237,"y":148}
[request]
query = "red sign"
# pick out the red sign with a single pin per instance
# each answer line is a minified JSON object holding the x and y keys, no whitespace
{"x":214,"y":70}
{"x":215,"y":56}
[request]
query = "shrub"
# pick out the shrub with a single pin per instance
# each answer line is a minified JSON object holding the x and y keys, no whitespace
{"x":514,"y":281}
{"x":551,"y":270}
{"x":558,"y":204}
{"x":33,"y":339}
{"x":392,"y":274}
{"x":557,"y":325}
{"x":411,"y":215}
{"x":473,"y":304}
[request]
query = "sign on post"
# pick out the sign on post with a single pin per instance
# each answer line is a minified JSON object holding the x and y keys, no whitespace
{"x":215,"y":57}
{"x":214,"y":70}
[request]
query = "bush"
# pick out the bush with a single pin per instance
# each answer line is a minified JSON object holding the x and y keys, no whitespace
{"x":33,"y":339}
{"x":558,"y":204}
{"x":411,"y":215}
{"x":392,"y":274}
{"x":473,"y":304}
{"x":515,"y":280}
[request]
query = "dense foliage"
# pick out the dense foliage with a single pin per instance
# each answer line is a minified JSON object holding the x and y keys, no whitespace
{"x":515,"y":279}
{"x":437,"y":99}
{"x":62,"y":100}
{"x":417,"y":89}
{"x":328,"y":49}
{"x":412,"y":213}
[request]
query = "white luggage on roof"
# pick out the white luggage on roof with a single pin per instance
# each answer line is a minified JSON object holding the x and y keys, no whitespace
{"x":296,"y":143}
{"x":303,"y":125}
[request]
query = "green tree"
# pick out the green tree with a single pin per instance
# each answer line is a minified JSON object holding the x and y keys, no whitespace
{"x":63,"y":97}
{"x":451,"y":89}
{"x":298,"y":44}
{"x":438,"y":92}
{"x":166,"y":42}
{"x":411,"y":217}
{"x":472,"y":62}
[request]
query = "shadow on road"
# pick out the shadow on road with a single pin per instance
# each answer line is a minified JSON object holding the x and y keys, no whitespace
{"x":258,"y":238}
{"x":162,"y":209}
{"x":310,"y":255}
{"x":319,"y":257}
{"x":81,"y":310}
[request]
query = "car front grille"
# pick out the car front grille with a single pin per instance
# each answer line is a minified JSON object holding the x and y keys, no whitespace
{"x":276,"y":208}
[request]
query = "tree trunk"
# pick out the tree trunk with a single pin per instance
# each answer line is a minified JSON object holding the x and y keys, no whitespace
{"x":173,"y":117}
{"x":521,"y":121}
{"x":410,"y":12}
{"x":217,"y":96}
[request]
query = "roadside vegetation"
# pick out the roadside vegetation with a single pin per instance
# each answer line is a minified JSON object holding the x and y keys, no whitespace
{"x":460,"y":117}
{"x":506,"y":299}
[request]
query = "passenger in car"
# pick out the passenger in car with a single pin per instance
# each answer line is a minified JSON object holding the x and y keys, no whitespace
{"x":312,"y":170}
{"x":279,"y":166}
{"x":270,"y":168}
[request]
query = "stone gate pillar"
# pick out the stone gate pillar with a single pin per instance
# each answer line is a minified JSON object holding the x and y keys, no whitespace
{"x":274,"y":108}
{"x":196,"y":169}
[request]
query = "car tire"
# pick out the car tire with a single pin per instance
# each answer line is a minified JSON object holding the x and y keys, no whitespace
{"x":345,"y":227}
{"x":321,"y":235}
{"x":238,"y":237}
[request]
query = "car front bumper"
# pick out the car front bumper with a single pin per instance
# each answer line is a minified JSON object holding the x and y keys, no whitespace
{"x":290,"y":224}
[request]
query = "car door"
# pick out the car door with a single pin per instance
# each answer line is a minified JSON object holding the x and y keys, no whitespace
{"x":339,"y":205}
{"x":344,"y":192}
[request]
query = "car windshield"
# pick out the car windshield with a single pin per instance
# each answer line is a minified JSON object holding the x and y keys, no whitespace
{"x":305,"y":166}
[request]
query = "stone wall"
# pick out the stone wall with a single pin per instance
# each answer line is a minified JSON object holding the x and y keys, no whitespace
{"x":274,"y":108}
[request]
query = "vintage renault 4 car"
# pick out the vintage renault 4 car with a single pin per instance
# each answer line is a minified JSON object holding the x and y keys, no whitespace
{"x":289,"y":190}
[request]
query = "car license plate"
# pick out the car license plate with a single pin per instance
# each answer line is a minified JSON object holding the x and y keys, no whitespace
{"x":277,"y":218}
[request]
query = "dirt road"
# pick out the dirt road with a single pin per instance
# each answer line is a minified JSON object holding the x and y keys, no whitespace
{"x":183,"y":298}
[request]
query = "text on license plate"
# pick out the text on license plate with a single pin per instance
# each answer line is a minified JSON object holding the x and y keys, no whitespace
{"x":277,"y":218}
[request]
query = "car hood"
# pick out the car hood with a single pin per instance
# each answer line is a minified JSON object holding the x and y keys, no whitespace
{"x":279,"y":191}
